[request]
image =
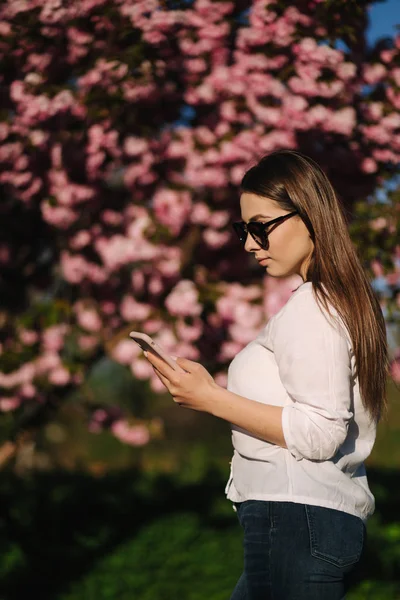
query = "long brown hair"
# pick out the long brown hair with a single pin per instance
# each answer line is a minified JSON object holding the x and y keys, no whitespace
{"x":296,"y":182}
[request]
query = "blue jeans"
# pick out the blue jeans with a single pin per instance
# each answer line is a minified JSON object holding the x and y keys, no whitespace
{"x":297,"y":551}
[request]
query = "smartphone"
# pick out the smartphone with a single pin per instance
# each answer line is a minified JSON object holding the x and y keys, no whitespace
{"x":146,"y":343}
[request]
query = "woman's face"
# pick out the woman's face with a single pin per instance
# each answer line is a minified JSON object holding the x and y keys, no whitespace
{"x":290,"y":245}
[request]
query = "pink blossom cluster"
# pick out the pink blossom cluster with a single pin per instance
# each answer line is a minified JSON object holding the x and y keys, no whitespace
{"x":395,"y":368}
{"x":381,"y":117}
{"x":102,"y":144}
{"x":183,"y":300}
{"x":133,"y":244}
{"x":104,"y":73}
{"x":240,"y":312}
{"x":154,"y":23}
{"x":45,"y":365}
{"x":32,"y":109}
{"x":127,"y":431}
{"x":133,"y":435}
{"x":172,"y":208}
{"x":136,"y":199}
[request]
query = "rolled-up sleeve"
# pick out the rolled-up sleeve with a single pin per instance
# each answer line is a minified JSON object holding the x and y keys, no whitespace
{"x":314,"y":365}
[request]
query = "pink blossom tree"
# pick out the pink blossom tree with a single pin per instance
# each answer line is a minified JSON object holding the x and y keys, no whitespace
{"x":125,"y":129}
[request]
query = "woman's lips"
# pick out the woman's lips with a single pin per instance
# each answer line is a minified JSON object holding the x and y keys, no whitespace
{"x":263,"y":260}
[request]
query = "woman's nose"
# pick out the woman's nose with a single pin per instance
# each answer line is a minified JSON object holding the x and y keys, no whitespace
{"x":250,"y":244}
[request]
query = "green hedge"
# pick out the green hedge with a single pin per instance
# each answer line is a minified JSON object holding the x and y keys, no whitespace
{"x":176,"y":556}
{"x":129,"y":535}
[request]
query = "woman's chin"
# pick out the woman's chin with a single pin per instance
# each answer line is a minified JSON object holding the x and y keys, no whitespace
{"x":273,"y":271}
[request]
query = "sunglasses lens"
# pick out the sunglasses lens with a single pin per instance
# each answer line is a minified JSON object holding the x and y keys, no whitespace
{"x":256,"y":230}
{"x":258,"y":233}
{"x":240,"y":232}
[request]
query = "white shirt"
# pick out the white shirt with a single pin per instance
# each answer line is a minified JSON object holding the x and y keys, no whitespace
{"x":303,"y":362}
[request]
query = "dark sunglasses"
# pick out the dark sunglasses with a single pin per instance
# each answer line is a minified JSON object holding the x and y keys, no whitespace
{"x":259,"y":231}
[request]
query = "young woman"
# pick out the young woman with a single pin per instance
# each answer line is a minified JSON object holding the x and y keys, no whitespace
{"x":304,"y":397}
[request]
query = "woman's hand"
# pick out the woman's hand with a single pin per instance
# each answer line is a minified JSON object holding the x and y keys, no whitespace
{"x":193,"y":389}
